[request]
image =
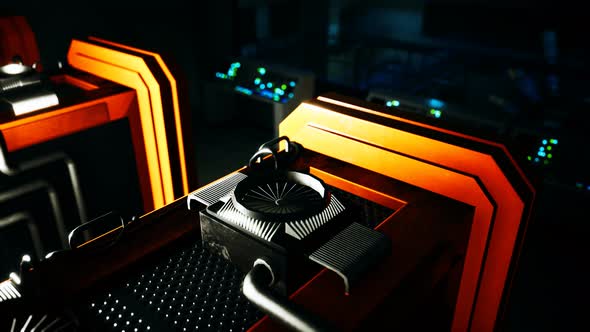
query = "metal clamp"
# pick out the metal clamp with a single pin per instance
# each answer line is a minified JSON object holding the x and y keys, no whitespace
{"x":272,"y":148}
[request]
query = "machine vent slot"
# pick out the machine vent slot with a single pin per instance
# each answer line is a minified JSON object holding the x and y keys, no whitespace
{"x":263,"y":229}
{"x":299,"y":229}
{"x":352,"y":251}
{"x":8,"y":291}
{"x":213,"y":192}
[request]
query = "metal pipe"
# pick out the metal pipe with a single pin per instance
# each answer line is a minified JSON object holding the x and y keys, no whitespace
{"x":33,"y":229}
{"x":9,"y":170}
{"x":53,"y":200}
{"x":257,"y":289}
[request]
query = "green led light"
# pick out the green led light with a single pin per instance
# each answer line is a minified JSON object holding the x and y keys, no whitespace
{"x":432,"y":111}
{"x":261,"y":70}
{"x":549,"y":148}
{"x":284,"y":86}
{"x":257,"y":80}
{"x":546,"y":162}
{"x":529,"y":158}
{"x":395,"y":103}
{"x":553,"y":141}
{"x":579,"y":185}
{"x":550,"y":156}
{"x":276,"y":98}
{"x":278,"y":91}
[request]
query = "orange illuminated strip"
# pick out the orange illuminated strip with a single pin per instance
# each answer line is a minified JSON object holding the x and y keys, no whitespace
{"x":442,"y":130}
{"x":75,"y":82}
{"x":98,"y":237}
{"x":132,"y":71}
{"x":175,"y":102}
{"x":322,"y":130}
{"x":357,"y":189}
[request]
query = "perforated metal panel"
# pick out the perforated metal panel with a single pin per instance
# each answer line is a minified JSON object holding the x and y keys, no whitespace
{"x":192,"y":290}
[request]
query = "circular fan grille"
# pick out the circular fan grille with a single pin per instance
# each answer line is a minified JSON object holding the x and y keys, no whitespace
{"x":281,"y":199}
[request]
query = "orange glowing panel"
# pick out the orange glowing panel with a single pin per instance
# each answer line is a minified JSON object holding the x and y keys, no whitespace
{"x":447,"y":169}
{"x":132,"y":71}
{"x":176,"y":104}
{"x":28,"y":131}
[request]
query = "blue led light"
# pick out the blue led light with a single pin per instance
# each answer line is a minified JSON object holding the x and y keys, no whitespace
{"x":579,"y":185}
{"x":435,"y":103}
{"x":243,"y":90}
{"x":588,"y":188}
{"x":388,"y":104}
{"x":544,"y":142}
{"x":220,"y":75}
{"x":278,"y":90}
{"x":276,"y":98}
{"x":269,"y":85}
{"x":537,"y":160}
{"x":395,"y":103}
{"x":553,"y":141}
{"x":541,"y":149}
{"x":257,"y":80}
{"x":541,"y":154}
{"x":236,"y":64}
{"x":291,"y":95}
{"x":262,"y":86}
{"x":261,"y":70}
{"x":267,"y":94}
{"x":292,"y":84}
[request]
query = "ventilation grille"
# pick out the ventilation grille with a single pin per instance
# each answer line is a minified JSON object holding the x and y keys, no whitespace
{"x":298,"y":229}
{"x":263,"y":229}
{"x":213,"y":192}
{"x":42,"y":323}
{"x":8,"y":291}
{"x":352,"y":251}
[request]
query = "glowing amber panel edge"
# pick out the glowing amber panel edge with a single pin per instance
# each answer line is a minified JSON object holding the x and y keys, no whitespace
{"x":132,"y":71}
{"x":175,"y":102}
{"x":506,"y":221}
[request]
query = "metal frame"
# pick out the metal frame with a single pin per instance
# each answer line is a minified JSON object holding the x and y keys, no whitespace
{"x":14,"y":218}
{"x":53,"y":200}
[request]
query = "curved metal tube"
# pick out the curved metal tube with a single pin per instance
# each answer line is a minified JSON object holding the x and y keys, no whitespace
{"x":53,"y":200}
{"x":9,"y":170}
{"x":33,"y":229}
{"x":256,"y":288}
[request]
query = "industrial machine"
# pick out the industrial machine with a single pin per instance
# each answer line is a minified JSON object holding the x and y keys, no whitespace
{"x":111,"y":116}
{"x":354,"y":218}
